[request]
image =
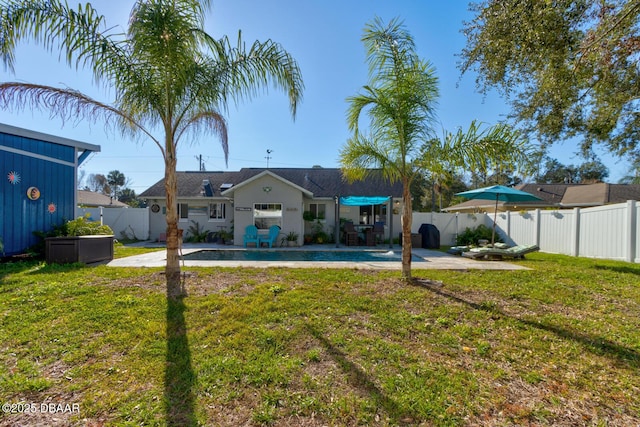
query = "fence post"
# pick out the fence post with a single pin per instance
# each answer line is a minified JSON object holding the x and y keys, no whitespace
{"x":631,"y":246}
{"x":575,"y":250}
{"x":537,"y":225}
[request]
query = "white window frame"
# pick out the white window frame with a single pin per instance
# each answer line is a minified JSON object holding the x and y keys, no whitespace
{"x":265,"y":207}
{"x":220,"y":208}
{"x":183,"y":212}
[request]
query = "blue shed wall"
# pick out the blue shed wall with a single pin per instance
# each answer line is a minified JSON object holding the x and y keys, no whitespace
{"x":47,"y":166}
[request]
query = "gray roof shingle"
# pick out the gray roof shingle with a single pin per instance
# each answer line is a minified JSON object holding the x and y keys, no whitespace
{"x":322,"y":182}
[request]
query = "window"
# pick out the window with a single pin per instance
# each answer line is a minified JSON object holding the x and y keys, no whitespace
{"x":183,"y":211}
{"x":319,"y":210}
{"x":217,"y":211}
{"x":267,"y":214}
{"x":371,"y":214}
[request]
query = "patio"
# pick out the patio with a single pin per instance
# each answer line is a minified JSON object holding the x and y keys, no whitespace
{"x":432,"y":260}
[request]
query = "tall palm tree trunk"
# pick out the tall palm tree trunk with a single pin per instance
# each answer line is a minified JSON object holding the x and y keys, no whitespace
{"x":172,"y":268}
{"x":406,"y":229}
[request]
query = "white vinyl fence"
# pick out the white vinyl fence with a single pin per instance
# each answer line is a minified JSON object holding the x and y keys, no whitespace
{"x":611,"y":231}
{"x":126,"y":223}
{"x":449,"y":225}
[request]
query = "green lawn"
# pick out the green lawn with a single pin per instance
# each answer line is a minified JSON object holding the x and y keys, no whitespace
{"x":555,"y":345}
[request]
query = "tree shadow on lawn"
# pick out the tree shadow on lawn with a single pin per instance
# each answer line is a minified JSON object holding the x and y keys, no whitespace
{"x":179,"y":376}
{"x":631,"y":269}
{"x":361,"y":380}
{"x":595,"y":344}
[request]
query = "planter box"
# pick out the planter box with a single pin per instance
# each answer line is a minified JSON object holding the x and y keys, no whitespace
{"x":85,"y":249}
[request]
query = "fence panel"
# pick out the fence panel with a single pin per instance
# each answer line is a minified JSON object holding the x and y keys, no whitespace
{"x":557,"y":231}
{"x":449,"y":225}
{"x":129,"y":223}
{"x":602,"y":232}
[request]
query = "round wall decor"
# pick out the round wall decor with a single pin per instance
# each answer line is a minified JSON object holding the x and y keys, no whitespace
{"x":33,"y":193}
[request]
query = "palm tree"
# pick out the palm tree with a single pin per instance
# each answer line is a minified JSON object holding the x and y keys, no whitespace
{"x":400,"y":101}
{"x":171,"y":79}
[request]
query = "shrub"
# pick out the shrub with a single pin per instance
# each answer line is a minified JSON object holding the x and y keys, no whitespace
{"x":197,"y":233}
{"x":81,"y":226}
{"x":471,"y":236}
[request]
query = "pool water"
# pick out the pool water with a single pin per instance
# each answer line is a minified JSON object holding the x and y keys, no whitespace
{"x":276,"y":255}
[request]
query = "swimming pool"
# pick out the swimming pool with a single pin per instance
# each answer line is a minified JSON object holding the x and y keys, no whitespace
{"x":297,"y":255}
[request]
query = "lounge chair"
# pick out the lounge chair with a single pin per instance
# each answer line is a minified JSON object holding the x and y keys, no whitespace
{"x":251,"y":236}
{"x":496,"y":253}
{"x":270,"y":238}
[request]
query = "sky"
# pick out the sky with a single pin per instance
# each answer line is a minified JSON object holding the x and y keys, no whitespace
{"x":324,"y":37}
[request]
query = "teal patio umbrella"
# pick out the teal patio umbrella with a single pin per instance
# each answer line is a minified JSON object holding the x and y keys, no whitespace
{"x":498,"y":193}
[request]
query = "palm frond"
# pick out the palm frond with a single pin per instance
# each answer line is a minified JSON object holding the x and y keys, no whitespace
{"x":67,"y":105}
{"x":244,"y":72}
{"x":80,"y":35}
{"x":206,"y":122}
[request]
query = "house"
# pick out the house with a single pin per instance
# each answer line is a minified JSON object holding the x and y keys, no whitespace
{"x":557,"y":196}
{"x":39,"y":188}
{"x":229,"y":201}
{"x":91,"y":199}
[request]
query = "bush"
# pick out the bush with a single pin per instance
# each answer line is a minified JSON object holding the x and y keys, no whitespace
{"x":81,"y":226}
{"x":471,"y":236}
{"x":196,"y":233}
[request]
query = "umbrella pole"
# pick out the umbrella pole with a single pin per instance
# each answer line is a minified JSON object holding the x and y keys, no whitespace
{"x":495,"y":218}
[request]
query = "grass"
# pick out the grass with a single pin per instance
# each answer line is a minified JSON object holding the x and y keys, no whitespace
{"x":555,"y":345}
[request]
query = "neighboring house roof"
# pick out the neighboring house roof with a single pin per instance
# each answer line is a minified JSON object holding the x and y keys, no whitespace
{"x":321,"y":182}
{"x":559,"y":196}
{"x":90,"y":198}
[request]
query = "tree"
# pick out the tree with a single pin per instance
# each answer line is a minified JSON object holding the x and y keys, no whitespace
{"x":170,"y":78}
{"x":400,"y":101}
{"x":116,"y":180}
{"x":491,"y":154}
{"x":592,"y":171}
{"x":98,"y":183}
{"x":633,"y":175}
{"x":128,"y":196}
{"x":569,"y":67}
{"x":586,"y":173}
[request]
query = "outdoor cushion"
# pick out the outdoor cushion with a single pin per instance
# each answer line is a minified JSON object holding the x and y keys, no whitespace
{"x":496,"y":253}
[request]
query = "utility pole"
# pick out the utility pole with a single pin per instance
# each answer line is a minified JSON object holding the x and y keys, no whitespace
{"x":268,"y":157}
{"x":200,"y":163}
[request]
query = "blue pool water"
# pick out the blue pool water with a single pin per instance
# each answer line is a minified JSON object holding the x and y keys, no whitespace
{"x":276,"y":255}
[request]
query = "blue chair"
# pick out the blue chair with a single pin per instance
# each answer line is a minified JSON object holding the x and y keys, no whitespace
{"x":271,"y":238}
{"x":251,"y":236}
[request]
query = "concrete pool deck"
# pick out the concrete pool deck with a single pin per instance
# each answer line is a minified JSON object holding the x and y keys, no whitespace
{"x":433,"y":260}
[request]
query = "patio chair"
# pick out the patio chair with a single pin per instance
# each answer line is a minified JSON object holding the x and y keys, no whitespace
{"x":496,"y":253}
{"x":378,"y":231}
{"x":270,"y":238}
{"x":251,"y":235}
{"x":350,"y":234}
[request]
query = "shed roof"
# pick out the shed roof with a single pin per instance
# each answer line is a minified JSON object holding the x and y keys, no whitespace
{"x":27,"y":133}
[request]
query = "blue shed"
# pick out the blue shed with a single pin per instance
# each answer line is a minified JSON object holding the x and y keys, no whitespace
{"x":38,"y":186}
